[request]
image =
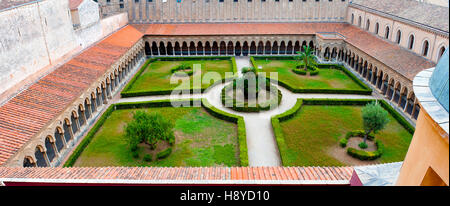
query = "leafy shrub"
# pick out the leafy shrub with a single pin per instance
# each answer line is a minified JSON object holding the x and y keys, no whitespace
{"x":148,"y":128}
{"x":148,"y":157}
{"x":165,"y":153}
{"x":133,"y":147}
{"x":135,"y":154}
{"x":358,"y":133}
{"x":343,"y":142}
{"x":362,"y":145}
{"x":367,"y":155}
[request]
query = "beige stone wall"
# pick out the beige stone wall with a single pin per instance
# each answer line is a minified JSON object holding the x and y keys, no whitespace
{"x":436,"y":41}
{"x":35,"y":38}
{"x":190,"y":11}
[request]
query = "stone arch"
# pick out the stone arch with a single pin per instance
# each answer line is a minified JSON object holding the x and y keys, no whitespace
{"x":403,"y":97}
{"x":192,"y":48}
{"x":353,"y":19}
{"x":275,"y":47}
{"x":208,"y":48}
{"x":425,"y":47}
{"x":169,"y":49}
{"x":282,"y":47}
{"x":377,"y":28}
{"x":289,"y":48}
{"x":238,"y":49}
{"x":260,"y":47}
{"x":398,"y":37}
{"x":245,"y":48}
{"x":162,"y":48}
{"x":268,"y":48}
{"x":87,"y":106}
{"x":397,"y":92}
{"x":177,"y":48}
{"x":215,"y":48}
{"x":387,"y":32}
{"x":184,"y":49}
{"x":81,"y":115}
{"x":359,"y":21}
{"x":40,"y":156}
{"x":367,"y":24}
{"x":155,"y":50}
{"x":297,"y":47}
{"x":148,"y":50}
{"x":440,"y":52}
{"x":50,"y":148}
{"x":253,"y":48}
{"x":59,"y":139}
{"x":311,"y":44}
{"x":29,"y":161}
{"x":230,"y":48}
{"x":411,"y":40}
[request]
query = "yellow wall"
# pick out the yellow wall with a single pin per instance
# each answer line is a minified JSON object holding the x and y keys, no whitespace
{"x":427,"y":160}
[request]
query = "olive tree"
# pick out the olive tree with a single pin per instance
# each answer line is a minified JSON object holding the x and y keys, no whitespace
{"x":148,"y":128}
{"x":375,"y":118}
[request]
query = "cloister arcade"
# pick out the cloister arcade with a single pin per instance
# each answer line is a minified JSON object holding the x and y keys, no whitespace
{"x":54,"y":145}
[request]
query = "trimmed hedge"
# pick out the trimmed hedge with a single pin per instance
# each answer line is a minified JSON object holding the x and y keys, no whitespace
{"x":165,"y":153}
{"x":243,"y":106}
{"x":367,"y":155}
{"x":279,"y":136}
{"x":85,"y":142}
{"x":366,"y":90}
{"x":126,"y":93}
{"x":242,"y":135}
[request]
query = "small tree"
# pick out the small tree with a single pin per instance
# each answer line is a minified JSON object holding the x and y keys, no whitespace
{"x":375,"y":118}
{"x":306,"y":57}
{"x":148,"y":128}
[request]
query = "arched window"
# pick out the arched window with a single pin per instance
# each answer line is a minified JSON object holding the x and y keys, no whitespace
{"x":377,"y":27}
{"x":411,"y":42}
{"x":441,"y":52}
{"x":359,"y":21}
{"x":368,"y":25}
{"x":386,"y":35}
{"x":399,"y":37}
{"x":425,"y":48}
{"x":353,"y":19}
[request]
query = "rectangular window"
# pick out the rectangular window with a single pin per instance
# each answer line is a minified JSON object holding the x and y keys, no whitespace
{"x":149,"y":0}
{"x":136,"y":1}
{"x":235,"y":0}
{"x":221,"y":1}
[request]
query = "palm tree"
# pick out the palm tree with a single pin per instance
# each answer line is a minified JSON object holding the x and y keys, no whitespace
{"x":307,"y":57}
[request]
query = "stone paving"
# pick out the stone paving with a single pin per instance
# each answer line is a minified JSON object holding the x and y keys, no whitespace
{"x":261,"y":143}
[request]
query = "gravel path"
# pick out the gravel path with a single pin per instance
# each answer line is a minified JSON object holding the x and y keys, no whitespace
{"x":261,"y":143}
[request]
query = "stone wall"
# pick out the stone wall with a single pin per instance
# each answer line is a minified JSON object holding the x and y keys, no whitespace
{"x":437,"y":42}
{"x":35,"y":38}
{"x":190,"y":11}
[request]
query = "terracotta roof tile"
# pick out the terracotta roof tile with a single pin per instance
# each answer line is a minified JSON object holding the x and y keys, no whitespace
{"x":26,"y":114}
{"x":179,"y":174}
{"x":404,"y":62}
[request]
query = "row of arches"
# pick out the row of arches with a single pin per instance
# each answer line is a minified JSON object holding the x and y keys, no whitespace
{"x":216,"y":48}
{"x":425,"y":46}
{"x":54,"y":145}
{"x":392,"y":89}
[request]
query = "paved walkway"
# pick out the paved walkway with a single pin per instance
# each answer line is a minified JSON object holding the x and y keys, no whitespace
{"x":261,"y":143}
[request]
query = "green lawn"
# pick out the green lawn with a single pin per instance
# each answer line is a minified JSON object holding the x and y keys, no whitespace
{"x":326,"y":79}
{"x":317,"y":128}
{"x":157,"y":75}
{"x":201,"y":140}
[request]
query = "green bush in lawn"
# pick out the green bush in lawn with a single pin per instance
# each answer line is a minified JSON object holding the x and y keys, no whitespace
{"x":135,"y":154}
{"x":165,"y":153}
{"x":148,"y":128}
{"x":148,"y":157}
{"x":343,"y":142}
{"x":362,"y":145}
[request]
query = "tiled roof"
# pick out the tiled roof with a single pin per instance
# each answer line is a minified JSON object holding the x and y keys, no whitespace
{"x":5,"y":4}
{"x":423,"y":13}
{"x":26,"y":114}
{"x":73,"y":4}
{"x":186,"y":175}
{"x":404,"y":62}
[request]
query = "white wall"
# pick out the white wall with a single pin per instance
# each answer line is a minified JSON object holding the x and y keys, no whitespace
{"x":40,"y":35}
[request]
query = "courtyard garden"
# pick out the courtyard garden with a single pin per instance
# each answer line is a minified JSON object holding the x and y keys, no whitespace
{"x":203,"y":136}
{"x":310,"y":134}
{"x":155,"y":77}
{"x":323,"y":78}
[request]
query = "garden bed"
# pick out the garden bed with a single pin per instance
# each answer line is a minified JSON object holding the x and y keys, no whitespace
{"x":309,"y":133}
{"x":204,"y":135}
{"x":328,"y":78}
{"x":154,"y":77}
